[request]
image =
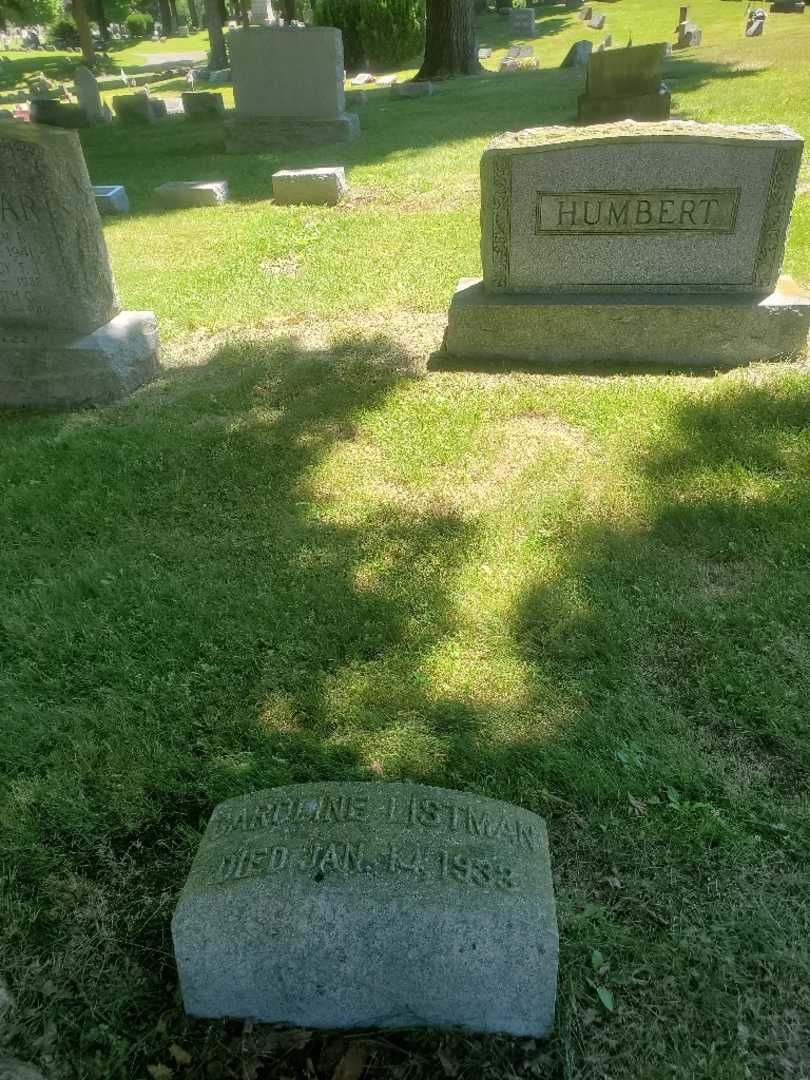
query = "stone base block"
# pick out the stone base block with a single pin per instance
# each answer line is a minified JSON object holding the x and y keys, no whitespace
{"x":602,"y":110}
{"x":203,"y":105}
{"x":313,"y":187}
{"x":52,"y":369}
{"x":181,"y":194}
{"x":411,"y":89}
{"x":257,"y":135}
{"x":683,"y":329}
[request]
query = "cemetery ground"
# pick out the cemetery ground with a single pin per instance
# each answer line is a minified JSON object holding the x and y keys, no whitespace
{"x":302,"y":555}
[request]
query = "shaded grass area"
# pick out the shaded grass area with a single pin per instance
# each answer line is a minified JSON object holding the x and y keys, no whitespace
{"x":304,"y":559}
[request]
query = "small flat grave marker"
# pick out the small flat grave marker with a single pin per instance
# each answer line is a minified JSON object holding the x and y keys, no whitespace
{"x":341,"y":905}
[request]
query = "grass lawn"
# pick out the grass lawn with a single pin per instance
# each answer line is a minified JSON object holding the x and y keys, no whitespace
{"x":300,"y":555}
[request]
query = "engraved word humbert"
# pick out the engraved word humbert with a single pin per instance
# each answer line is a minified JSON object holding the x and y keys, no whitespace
{"x":605,"y":212}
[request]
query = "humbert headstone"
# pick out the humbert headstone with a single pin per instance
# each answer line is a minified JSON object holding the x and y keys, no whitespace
{"x":85,"y":87}
{"x":288,"y":88}
{"x":63,"y":336}
{"x":341,"y":905}
{"x":658,"y":243}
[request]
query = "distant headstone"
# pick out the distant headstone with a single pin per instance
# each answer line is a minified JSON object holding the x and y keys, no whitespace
{"x":523,"y":22}
{"x":158,"y":107}
{"x":182,"y":194}
{"x":597,"y":22}
{"x":111,"y":199}
{"x":519,"y":52}
{"x":689,"y":35}
{"x":756,"y":22}
{"x":85,"y":87}
{"x":386,"y":80}
{"x":202,"y":105}
{"x":625,"y":84}
{"x":60,"y":114}
{"x":181,"y":31}
{"x":509,"y":63}
{"x":607,"y":243}
{"x":219,"y":78}
{"x":364,"y":78}
{"x":133,"y":108}
{"x":787,"y":7}
{"x":577,"y":55}
{"x":607,"y":41}
{"x":484,"y":53}
{"x":354,"y":905}
{"x":411,"y":89}
{"x":63,"y":336}
{"x":586,"y":13}
{"x":313,"y":187}
{"x":288,"y":87}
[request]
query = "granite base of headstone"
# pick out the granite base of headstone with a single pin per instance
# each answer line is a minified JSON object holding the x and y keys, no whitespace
{"x":202,"y":105}
{"x":133,"y":108}
{"x":787,"y":7}
{"x":640,"y":243}
{"x":625,"y":84}
{"x":64,"y":339}
{"x":288,"y":89}
{"x":369,"y":905}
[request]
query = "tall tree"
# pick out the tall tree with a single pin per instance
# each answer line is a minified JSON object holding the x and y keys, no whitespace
{"x":192,"y":13}
{"x":213,"y":18}
{"x":82,"y":20}
{"x":449,"y":40}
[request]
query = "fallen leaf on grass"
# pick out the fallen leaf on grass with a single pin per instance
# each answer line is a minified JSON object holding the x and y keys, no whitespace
{"x":605,"y":997}
{"x":352,"y":1065}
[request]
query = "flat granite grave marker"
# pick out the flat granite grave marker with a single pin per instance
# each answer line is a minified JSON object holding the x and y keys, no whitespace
{"x":659,"y":243}
{"x":341,"y":905}
{"x":63,"y":336}
{"x":625,"y":84}
{"x":597,"y":22}
{"x":288,"y":89}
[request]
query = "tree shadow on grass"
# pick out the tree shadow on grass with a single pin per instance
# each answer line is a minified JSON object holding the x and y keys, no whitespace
{"x":194,"y":612}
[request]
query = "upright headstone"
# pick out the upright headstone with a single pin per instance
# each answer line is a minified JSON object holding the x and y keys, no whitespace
{"x":288,"y":88}
{"x":133,"y":108}
{"x":523,"y":22}
{"x":345,"y":905}
{"x":85,"y":87}
{"x":625,"y":84}
{"x":597,"y":22}
{"x":689,"y":35}
{"x":657,"y":243}
{"x":578,"y":55}
{"x":586,"y":13}
{"x":63,"y":336}
{"x":788,"y":7}
{"x":755,"y":23}
{"x":202,"y":105}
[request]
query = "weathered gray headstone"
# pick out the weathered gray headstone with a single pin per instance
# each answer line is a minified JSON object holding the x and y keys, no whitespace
{"x":597,"y":22}
{"x":183,"y":194}
{"x":523,"y":22}
{"x":625,"y":84}
{"x":586,"y":13}
{"x":647,"y":242}
{"x":133,"y":108}
{"x":578,"y":55}
{"x":788,"y":7}
{"x":111,"y":199}
{"x":315,"y":187}
{"x":202,"y":105}
{"x":63,"y":336}
{"x":484,"y":53}
{"x":340,"y":905}
{"x":288,"y":88}
{"x":85,"y":87}
{"x":411,"y":89}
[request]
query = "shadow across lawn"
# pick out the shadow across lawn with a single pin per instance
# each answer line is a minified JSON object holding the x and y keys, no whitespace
{"x":193,"y":612}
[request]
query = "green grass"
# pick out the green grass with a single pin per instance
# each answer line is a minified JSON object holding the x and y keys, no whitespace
{"x":299,"y":555}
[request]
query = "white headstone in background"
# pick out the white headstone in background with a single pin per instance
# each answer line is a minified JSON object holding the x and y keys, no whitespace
{"x":86,"y":90}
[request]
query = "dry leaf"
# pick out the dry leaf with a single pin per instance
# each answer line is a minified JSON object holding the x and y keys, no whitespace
{"x":352,"y":1065}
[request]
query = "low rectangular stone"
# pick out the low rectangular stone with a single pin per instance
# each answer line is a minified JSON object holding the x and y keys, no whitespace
{"x":133,"y":108}
{"x":411,"y":89}
{"x":257,"y":135}
{"x":697,"y":330}
{"x":111,"y":199}
{"x":202,"y":105}
{"x":341,"y":905}
{"x":180,"y":194}
{"x":755,"y":169}
{"x":61,"y":114}
{"x":645,"y":108}
{"x":314,"y":187}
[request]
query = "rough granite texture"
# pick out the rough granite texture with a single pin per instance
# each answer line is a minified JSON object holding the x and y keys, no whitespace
{"x":55,"y":369}
{"x":707,"y":208}
{"x":323,"y":186}
{"x":638,"y":69}
{"x":54,"y":269}
{"x":341,"y":905}
{"x":294,"y":73}
{"x":258,"y":136}
{"x":672,"y":330}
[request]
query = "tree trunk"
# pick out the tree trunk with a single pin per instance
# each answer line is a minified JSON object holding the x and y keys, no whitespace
{"x":173,"y":23}
{"x":85,"y":33}
{"x":103,"y":26}
{"x":165,"y":17}
{"x":213,"y":16}
{"x":192,"y":13}
{"x":449,"y":40}
{"x":288,"y":11}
